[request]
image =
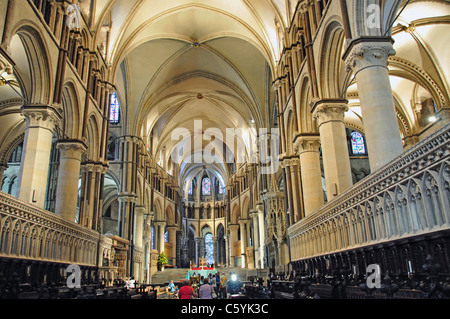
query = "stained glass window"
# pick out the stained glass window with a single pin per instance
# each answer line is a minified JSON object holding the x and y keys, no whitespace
{"x":206,"y":187}
{"x":209,"y":247}
{"x":115,"y":109}
{"x":358,"y":146}
{"x":166,"y":237}
{"x":190,"y":189}
{"x":221,"y":186}
{"x":153,"y":238}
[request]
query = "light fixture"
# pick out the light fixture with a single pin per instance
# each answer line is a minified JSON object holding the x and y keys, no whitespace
{"x":432,"y":119}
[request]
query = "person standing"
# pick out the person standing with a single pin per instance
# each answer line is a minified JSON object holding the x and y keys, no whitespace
{"x":186,"y":292}
{"x":206,"y":291}
{"x":218,"y":285}
{"x":223,"y":285}
{"x":213,"y":283}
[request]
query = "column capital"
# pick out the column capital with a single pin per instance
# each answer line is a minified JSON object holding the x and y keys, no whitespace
{"x":368,"y":52}
{"x":140,"y":210}
{"x":6,"y":65}
{"x":307,"y":143}
{"x":127,"y":198}
{"x":71,"y":148}
{"x":41,"y":116}
{"x":327,"y":110}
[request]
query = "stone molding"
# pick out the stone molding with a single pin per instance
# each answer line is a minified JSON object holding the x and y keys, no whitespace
{"x":368,"y":52}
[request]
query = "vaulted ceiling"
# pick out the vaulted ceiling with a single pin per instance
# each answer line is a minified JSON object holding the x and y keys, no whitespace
{"x":175,"y":62}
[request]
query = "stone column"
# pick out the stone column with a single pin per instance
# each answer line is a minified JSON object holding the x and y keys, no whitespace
{"x":68,"y":177}
{"x":126,"y":205}
{"x":233,"y":240}
{"x":227,"y":252}
{"x":198,"y":249}
{"x":40,"y":123}
{"x":367,"y":58}
{"x":288,"y":191}
{"x":173,"y":240}
{"x":262,"y":239}
{"x":296,"y":190}
{"x":336,"y":161}
{"x":308,"y":150}
{"x":256,"y":237}
{"x":139,"y":233}
{"x":161,"y":232}
{"x":244,"y":241}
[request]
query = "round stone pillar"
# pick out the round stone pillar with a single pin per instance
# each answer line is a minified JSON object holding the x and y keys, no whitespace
{"x":308,"y":150}
{"x":40,"y":123}
{"x":336,"y":160}
{"x":262,"y":239}
{"x":68,"y":177}
{"x":367,"y":58}
{"x":173,"y":240}
{"x":139,"y":232}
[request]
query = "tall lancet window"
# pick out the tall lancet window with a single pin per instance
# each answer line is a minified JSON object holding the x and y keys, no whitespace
{"x":222,"y":188}
{"x":190,"y":190}
{"x":206,"y":187}
{"x":115,"y":109}
{"x":358,"y":145}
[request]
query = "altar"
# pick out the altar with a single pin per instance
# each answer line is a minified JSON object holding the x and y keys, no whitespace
{"x":201,"y":271}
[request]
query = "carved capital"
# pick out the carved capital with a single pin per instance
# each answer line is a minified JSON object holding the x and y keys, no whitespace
{"x":307,"y":144}
{"x":5,"y":65}
{"x":330,"y":110}
{"x":41,"y":117}
{"x":364,"y":53}
{"x":71,"y":149}
{"x":140,"y":210}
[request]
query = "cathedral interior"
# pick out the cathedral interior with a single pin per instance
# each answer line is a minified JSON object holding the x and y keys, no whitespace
{"x":299,"y":142}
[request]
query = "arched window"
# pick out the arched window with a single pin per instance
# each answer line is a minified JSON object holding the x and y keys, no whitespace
{"x":209,"y":248}
{"x":358,"y":145}
{"x":115,"y":109}
{"x":166,"y":237}
{"x":153,"y":238}
{"x":206,"y":187}
{"x":221,"y":186}
{"x":190,"y":190}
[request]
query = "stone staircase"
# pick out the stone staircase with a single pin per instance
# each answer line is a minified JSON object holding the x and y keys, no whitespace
{"x":163,"y":277}
{"x":243,"y":274}
{"x":178,"y":274}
